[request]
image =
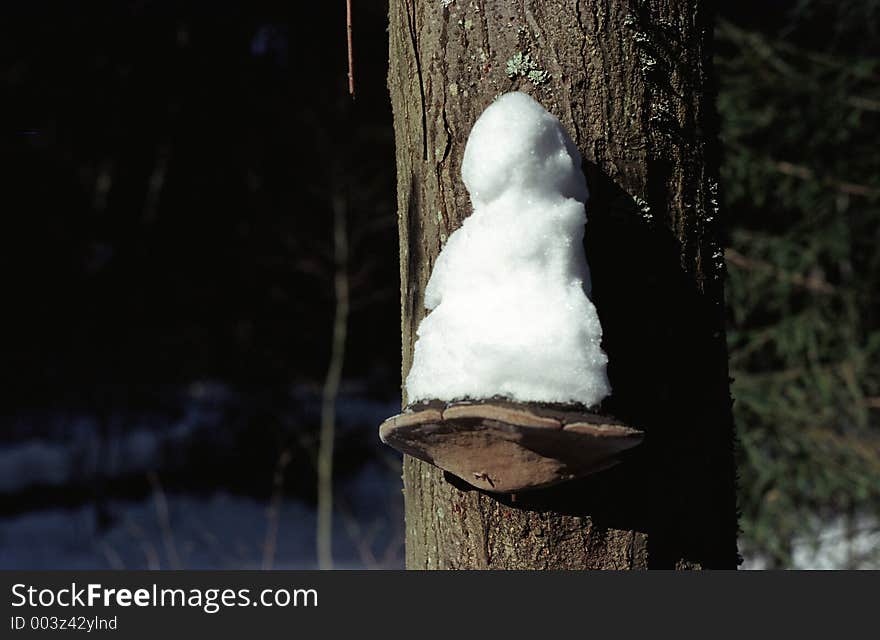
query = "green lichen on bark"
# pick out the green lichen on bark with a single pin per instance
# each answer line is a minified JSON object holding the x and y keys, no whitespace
{"x":522,"y":65}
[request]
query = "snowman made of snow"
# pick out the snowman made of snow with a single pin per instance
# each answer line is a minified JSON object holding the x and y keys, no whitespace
{"x":510,"y":314}
{"x":510,"y":351}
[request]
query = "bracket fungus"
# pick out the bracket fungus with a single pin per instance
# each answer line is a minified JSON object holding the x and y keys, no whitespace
{"x":511,"y":317}
{"x":507,"y":447}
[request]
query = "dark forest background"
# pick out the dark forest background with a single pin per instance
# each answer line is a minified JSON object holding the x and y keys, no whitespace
{"x":169,"y":175}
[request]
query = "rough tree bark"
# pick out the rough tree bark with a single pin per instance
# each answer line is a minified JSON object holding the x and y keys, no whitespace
{"x":632,"y":82}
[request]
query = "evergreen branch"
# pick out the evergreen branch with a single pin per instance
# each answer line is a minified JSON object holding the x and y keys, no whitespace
{"x":770,"y":52}
{"x":813,"y":282}
{"x":805,"y":173}
{"x":728,"y":31}
{"x":865,"y":450}
{"x":865,"y":104}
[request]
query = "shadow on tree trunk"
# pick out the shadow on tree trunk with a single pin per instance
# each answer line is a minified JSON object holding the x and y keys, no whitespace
{"x":661,"y":335}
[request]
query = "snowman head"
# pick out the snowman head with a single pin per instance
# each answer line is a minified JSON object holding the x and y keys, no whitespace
{"x":517,"y":146}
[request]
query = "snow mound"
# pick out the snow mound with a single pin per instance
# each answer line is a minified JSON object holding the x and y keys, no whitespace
{"x":510,"y":313}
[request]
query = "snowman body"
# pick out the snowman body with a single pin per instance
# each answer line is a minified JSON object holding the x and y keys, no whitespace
{"x":510,"y":314}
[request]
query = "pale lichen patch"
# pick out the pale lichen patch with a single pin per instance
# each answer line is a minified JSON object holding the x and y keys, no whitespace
{"x":522,"y":65}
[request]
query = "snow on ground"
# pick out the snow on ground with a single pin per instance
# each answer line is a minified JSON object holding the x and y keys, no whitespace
{"x":510,"y":313}
{"x":217,"y":531}
{"x":64,"y":447}
{"x":56,"y":447}
{"x":839,"y":545}
{"x":222,"y":530}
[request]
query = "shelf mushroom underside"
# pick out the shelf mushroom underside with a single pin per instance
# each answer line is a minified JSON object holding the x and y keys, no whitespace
{"x":508,"y":447}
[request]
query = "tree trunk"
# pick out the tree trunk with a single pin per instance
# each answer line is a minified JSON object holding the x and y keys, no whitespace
{"x":632,"y":82}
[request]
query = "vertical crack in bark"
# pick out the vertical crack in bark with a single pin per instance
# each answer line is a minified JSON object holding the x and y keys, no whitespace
{"x":411,"y":20}
{"x":582,"y":57}
{"x":484,"y":22}
{"x":431,"y":523}
{"x":443,"y":223}
{"x":484,"y":532}
{"x":631,"y":556}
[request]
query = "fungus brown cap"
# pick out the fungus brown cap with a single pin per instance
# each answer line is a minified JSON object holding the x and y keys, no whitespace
{"x":506,"y":447}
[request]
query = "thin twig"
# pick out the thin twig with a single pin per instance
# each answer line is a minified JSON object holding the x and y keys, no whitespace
{"x":756,"y":43}
{"x":865,"y":104}
{"x":103,"y":184}
{"x":151,"y":555}
{"x":805,"y":173}
{"x":813,"y":282}
{"x":350,"y":49}
{"x":164,"y":517}
{"x":156,"y":183}
{"x":212,"y":542}
{"x":363,"y":542}
{"x":113,"y":558}
{"x":272,"y":517}
{"x":331,"y":386}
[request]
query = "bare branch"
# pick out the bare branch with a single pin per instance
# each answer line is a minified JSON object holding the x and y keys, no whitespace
{"x":331,"y":385}
{"x":272,"y":517}
{"x":164,"y":517}
{"x":813,"y":282}
{"x":805,"y":173}
{"x":350,"y":49}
